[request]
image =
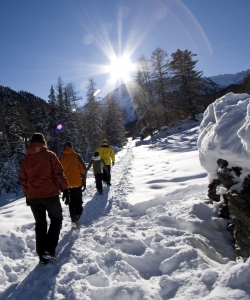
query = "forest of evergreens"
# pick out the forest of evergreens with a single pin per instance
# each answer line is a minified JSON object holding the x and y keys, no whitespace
{"x":167,"y":90}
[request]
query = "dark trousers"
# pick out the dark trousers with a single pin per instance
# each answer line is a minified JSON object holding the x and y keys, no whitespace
{"x":107,"y":176}
{"x":98,"y":181}
{"x":75,"y":204}
{"x":47,"y":239}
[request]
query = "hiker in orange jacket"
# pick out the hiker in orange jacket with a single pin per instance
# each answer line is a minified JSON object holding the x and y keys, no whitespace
{"x":75,"y":172}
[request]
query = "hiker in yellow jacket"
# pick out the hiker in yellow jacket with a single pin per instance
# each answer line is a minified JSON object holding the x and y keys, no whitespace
{"x":75,"y":172}
{"x":108,"y":155}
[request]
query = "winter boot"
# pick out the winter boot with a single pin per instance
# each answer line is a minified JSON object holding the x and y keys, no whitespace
{"x":43,"y":261}
{"x":48,"y":256}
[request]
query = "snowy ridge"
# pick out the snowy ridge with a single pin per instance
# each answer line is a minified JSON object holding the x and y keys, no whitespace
{"x":228,"y":79}
{"x":153,"y":234}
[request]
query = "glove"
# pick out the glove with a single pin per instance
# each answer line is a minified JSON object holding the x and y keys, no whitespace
{"x":27,"y":202}
{"x":66,"y":196}
{"x":113,"y":163}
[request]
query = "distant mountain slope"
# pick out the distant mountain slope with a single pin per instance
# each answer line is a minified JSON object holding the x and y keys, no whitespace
{"x":27,"y":103}
{"x":124,"y":97}
{"x":27,"y":100}
{"x":228,"y":79}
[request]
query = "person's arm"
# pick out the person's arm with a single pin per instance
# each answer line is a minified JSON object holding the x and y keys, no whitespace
{"x":24,"y":178}
{"x":89,"y":165}
{"x":104,"y":166}
{"x":58,"y":172}
{"x":82,"y":165}
{"x":112,"y":155}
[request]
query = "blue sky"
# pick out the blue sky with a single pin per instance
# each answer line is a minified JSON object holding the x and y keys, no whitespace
{"x":41,"y":40}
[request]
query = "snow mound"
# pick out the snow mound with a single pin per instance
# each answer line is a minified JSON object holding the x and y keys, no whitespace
{"x":225,"y":133}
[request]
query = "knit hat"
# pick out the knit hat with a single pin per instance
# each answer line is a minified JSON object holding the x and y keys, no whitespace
{"x":96,"y":154}
{"x":38,"y":137}
{"x":67,"y":144}
{"x":104,"y":141}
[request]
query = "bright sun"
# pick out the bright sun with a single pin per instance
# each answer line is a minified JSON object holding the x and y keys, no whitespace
{"x":120,"y":68}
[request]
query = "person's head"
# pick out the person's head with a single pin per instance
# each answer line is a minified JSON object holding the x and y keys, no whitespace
{"x":96,"y":154}
{"x":67,"y":144}
{"x":105,"y":141}
{"x":38,"y":138}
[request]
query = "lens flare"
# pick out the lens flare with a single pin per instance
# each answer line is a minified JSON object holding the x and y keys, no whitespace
{"x":59,"y":127}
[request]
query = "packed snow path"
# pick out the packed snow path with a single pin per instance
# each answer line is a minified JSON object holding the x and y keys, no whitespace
{"x":153,"y":235}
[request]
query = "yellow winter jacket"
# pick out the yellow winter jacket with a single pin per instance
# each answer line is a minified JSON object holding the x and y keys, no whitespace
{"x":106,"y":153}
{"x":74,"y":167}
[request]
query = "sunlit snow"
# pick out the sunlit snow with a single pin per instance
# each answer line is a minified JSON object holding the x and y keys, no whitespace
{"x":154,"y":234}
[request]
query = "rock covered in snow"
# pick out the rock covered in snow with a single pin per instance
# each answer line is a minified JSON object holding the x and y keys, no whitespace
{"x":225,"y":133}
{"x":224,"y":151}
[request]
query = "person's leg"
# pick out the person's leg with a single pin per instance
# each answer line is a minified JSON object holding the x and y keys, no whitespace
{"x":96,"y":181}
{"x":105,"y":175}
{"x":76,"y":204}
{"x":71,"y":205}
{"x":109,"y":175}
{"x":39,"y":212}
{"x":54,"y":209}
{"x":98,"y":178}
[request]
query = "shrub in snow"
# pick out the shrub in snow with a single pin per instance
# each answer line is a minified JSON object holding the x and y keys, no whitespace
{"x":224,"y":151}
{"x":9,"y":178}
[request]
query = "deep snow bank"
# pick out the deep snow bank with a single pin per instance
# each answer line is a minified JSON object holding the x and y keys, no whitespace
{"x":225,"y":133}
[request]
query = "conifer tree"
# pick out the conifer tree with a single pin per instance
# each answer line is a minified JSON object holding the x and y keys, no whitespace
{"x":12,"y":146}
{"x":146,"y":110}
{"x":9,"y":179}
{"x":115,"y":130}
{"x":13,"y":129}
{"x":75,"y":119}
{"x":61,"y":117}
{"x":187,"y":81}
{"x":51,"y":133}
{"x":160,"y":80}
{"x":39,"y":118}
{"x":92,"y":117}
{"x":4,"y":158}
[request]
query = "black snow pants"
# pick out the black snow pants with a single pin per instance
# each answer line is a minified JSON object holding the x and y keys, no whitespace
{"x":98,"y":181}
{"x":47,"y":238}
{"x":107,"y":176}
{"x":75,"y":204}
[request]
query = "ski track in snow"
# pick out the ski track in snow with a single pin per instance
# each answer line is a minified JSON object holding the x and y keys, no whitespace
{"x":172,"y":246}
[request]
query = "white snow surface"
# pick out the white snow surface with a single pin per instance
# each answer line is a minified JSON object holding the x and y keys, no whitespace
{"x":225,"y":133}
{"x":154,"y":234}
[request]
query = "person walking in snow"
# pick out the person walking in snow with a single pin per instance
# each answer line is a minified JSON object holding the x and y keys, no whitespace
{"x":108,"y":155}
{"x":43,"y":178}
{"x":75,"y":171}
{"x":98,"y":166}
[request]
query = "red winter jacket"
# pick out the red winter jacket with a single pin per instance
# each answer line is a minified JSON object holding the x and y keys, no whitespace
{"x":41,"y":173}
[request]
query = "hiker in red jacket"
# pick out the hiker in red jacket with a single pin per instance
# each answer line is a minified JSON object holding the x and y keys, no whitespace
{"x":42,"y":179}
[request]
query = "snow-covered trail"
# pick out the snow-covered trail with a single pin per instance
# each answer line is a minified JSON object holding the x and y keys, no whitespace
{"x":78,"y":252}
{"x":169,"y":244}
